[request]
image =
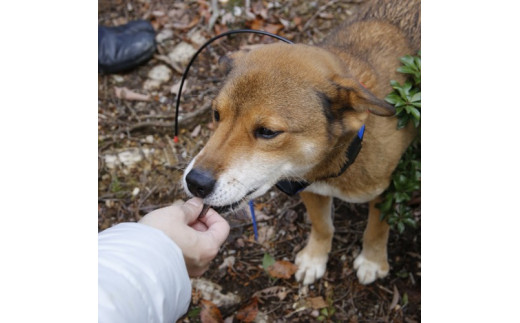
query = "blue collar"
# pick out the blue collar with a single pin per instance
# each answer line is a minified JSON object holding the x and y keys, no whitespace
{"x":291,"y":188}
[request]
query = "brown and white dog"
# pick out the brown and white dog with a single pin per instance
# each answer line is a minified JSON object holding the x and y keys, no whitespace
{"x":290,"y":112}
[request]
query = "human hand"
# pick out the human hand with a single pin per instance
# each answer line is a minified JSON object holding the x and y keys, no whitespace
{"x":198,"y":238}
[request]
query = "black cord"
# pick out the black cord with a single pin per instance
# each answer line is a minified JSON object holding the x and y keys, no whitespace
{"x":185,"y":74}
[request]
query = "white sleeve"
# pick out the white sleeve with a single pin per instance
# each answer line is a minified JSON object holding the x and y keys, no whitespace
{"x":142,"y":276}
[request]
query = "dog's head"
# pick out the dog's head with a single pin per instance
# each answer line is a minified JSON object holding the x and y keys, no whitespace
{"x":281,"y":111}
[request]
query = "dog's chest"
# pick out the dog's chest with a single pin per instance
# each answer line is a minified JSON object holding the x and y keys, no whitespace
{"x":325,"y":189}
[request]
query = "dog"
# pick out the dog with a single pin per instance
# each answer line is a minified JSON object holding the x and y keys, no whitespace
{"x":292,"y":115}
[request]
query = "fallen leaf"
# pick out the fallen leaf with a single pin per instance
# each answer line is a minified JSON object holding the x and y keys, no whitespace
{"x":228,"y":262}
{"x":212,"y":291}
{"x":326,"y":15}
{"x":126,"y":94}
{"x":249,"y":312}
{"x":273,"y":28}
{"x":209,"y":312}
{"x":275,"y":291}
{"x":189,"y":25}
{"x":195,"y":131}
{"x":257,"y":24}
{"x":395,"y":298}
{"x":265,"y":234}
{"x":316,"y":302}
{"x":282,"y":269}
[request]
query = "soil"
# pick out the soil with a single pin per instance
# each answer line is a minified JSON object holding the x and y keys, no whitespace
{"x":140,"y":168}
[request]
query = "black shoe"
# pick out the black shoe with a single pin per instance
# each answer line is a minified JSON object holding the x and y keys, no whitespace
{"x":124,"y":47}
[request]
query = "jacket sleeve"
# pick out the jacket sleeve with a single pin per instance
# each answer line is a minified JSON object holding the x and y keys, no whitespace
{"x":142,"y":276}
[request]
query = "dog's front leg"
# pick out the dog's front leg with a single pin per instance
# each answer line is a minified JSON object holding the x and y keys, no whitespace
{"x":312,"y":260}
{"x":372,"y":263}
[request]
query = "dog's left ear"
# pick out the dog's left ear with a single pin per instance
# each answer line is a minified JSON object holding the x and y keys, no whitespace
{"x":359,"y":98}
{"x":226,"y":62}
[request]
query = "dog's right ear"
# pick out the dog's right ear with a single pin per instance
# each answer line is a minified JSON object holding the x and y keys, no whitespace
{"x":226,"y":62}
{"x":354,"y":95}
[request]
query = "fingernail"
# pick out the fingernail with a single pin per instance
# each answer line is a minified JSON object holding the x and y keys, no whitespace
{"x":196,"y":202}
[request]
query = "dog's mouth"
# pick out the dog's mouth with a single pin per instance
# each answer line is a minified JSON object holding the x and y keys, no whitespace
{"x":235,"y":205}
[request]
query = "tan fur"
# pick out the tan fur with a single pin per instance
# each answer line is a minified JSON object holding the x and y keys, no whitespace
{"x":317,"y":97}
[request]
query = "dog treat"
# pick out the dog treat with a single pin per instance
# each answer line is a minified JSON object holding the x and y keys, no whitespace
{"x":205,"y":209}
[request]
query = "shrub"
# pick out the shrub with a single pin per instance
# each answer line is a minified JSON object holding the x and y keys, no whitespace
{"x":406,"y":179}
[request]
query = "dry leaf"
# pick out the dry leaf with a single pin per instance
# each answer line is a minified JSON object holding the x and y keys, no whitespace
{"x":275,"y":291}
{"x":195,"y":131}
{"x":282,"y":269}
{"x":395,"y":298}
{"x":209,"y":312}
{"x":249,"y":312}
{"x":212,"y":291}
{"x":273,"y":28}
{"x":228,"y":262}
{"x":326,"y":15}
{"x":126,"y":94}
{"x":189,"y":25}
{"x":257,"y":24}
{"x":316,"y":302}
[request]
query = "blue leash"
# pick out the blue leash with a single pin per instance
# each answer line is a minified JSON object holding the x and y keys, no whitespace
{"x":252,"y":210}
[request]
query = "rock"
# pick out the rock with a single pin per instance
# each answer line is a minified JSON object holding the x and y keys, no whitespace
{"x":151,"y":85}
{"x":198,"y":37}
{"x":165,"y":34}
{"x":128,"y":157}
{"x":182,"y":53}
{"x":160,"y":73}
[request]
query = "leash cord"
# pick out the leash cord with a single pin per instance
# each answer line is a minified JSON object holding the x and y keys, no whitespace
{"x":253,"y":217}
{"x":185,"y":74}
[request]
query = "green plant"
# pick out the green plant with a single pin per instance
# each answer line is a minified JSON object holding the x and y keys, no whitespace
{"x":406,"y":178}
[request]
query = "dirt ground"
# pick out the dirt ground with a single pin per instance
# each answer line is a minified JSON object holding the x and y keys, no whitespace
{"x":140,"y":168}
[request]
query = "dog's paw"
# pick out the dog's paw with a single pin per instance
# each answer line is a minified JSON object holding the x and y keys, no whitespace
{"x":310,"y":268}
{"x":368,"y":271}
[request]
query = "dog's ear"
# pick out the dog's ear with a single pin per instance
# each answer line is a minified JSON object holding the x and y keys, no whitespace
{"x":356,"y":96}
{"x":226,"y":62}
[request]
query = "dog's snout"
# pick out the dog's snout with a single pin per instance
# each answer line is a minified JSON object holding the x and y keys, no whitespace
{"x":200,"y":182}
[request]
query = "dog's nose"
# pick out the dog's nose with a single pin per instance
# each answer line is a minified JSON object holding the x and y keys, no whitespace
{"x":200,"y":182}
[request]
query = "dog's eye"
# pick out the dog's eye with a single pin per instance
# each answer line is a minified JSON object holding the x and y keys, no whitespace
{"x":216,"y":115}
{"x":266,"y":133}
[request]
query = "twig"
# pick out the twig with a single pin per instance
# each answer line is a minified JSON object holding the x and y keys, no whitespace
{"x":147,"y":124}
{"x":174,"y":66}
{"x":187,"y":120}
{"x":214,"y":15}
{"x":322,"y":8}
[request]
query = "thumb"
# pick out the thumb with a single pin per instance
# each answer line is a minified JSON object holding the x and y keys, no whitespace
{"x":192,"y":209}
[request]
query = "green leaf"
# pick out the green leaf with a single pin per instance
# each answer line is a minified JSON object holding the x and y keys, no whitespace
{"x":410,"y":222}
{"x":407,"y":70}
{"x":404,"y":299}
{"x":268,"y":261}
{"x":416,"y":97}
{"x":403,"y":121}
{"x":194,"y":312}
{"x":417,"y":62}
{"x":401,"y":197}
{"x":400,"y":227}
{"x":416,"y":123}
{"x":414,"y":112}
{"x":395,"y":84}
{"x":407,"y":60}
{"x":386,"y":206}
{"x":394,"y":98}
{"x":407,"y":86}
